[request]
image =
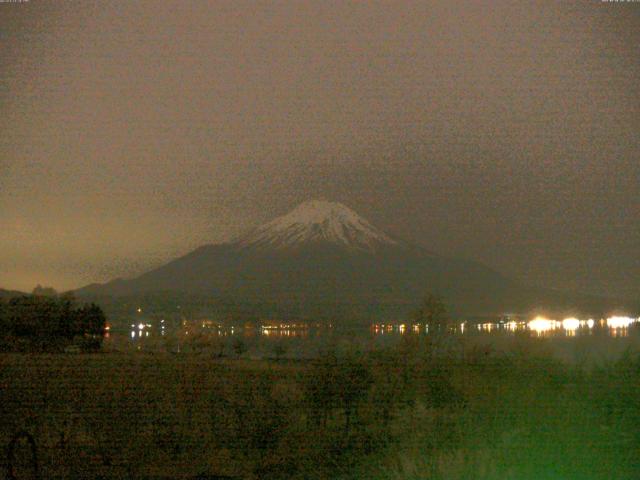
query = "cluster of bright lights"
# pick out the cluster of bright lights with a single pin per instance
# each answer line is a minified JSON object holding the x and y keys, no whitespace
{"x":389,"y":327}
{"x":287,"y":326}
{"x":620,"y":322}
{"x":284,"y":333}
{"x":570,"y":323}
{"x":487,"y":327}
{"x":541,"y":324}
{"x":512,"y":326}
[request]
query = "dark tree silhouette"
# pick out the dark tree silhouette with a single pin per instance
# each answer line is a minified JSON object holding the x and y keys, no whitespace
{"x":13,"y":445}
{"x":44,"y":291}
{"x":47,"y":322}
{"x":92,"y":320}
{"x":238,"y":347}
{"x":337,"y":383}
{"x":355,"y":380}
{"x":321,"y":387}
{"x":432,"y":312}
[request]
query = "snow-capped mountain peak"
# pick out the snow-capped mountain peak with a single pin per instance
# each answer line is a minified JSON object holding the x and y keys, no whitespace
{"x":317,"y":221}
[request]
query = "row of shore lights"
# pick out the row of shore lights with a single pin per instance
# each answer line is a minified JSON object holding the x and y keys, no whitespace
{"x":570,"y":324}
{"x":538,"y":325}
{"x":541,"y":324}
{"x":143,"y":329}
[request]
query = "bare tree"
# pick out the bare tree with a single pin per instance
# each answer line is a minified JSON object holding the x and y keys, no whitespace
{"x":432,"y":312}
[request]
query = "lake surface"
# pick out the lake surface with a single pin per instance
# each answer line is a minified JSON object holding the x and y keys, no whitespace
{"x":571,"y":339}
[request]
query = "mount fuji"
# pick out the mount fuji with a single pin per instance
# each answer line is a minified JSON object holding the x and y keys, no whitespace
{"x":317,"y":222}
{"x":322,"y":259}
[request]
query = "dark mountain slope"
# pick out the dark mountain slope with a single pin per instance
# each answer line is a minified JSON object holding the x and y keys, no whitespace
{"x":324,"y":255}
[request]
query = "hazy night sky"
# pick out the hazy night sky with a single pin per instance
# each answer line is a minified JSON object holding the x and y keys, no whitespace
{"x":507,"y":132}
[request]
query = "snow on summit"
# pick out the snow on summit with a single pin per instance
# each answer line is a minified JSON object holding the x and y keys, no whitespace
{"x":317,"y":221}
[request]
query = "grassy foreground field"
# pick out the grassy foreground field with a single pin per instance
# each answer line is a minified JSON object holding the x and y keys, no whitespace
{"x":412,"y":412}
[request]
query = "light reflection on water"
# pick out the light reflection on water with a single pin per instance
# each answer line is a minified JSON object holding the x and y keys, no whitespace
{"x":614,"y":326}
{"x":621,"y":322}
{"x":284,"y":332}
